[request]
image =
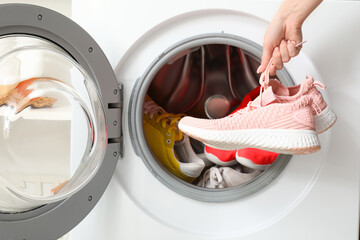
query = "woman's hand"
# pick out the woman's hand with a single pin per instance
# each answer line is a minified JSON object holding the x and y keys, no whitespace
{"x":279,"y":43}
{"x":284,"y":33}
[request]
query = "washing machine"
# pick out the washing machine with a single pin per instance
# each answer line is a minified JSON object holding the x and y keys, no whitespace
{"x":207,"y":51}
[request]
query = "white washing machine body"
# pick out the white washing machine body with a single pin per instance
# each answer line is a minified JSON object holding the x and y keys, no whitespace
{"x":315,"y":197}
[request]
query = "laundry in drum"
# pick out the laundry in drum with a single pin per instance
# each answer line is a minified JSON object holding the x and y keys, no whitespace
{"x":171,"y":148}
{"x":281,"y":119}
{"x":174,"y":151}
{"x":226,"y":177}
{"x":203,"y":83}
{"x":20,"y":96}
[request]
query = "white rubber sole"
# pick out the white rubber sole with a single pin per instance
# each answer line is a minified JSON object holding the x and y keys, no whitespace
{"x":325,"y":120}
{"x":285,"y":141}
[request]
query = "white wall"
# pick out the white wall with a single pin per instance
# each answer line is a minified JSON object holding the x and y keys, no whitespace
{"x":61,"y":6}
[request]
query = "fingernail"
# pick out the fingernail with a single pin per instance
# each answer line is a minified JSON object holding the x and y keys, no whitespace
{"x":258,"y":70}
{"x":276,"y":49}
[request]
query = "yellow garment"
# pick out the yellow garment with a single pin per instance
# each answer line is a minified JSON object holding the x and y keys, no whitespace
{"x":161,"y":133}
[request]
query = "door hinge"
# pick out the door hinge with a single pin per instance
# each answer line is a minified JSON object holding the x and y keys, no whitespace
{"x":115,"y":131}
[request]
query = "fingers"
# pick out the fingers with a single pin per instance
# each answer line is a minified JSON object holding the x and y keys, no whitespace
{"x":285,"y":55}
{"x":281,"y":54}
{"x":292,"y":49}
{"x":277,"y":61}
{"x":267,"y":53}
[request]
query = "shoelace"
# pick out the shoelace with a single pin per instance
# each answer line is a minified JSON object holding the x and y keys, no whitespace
{"x":214,"y":175}
{"x":322,"y":86}
{"x":152,"y":108}
{"x":265,"y":76}
{"x":249,"y":107}
{"x":264,"y":82}
{"x":166,"y":120}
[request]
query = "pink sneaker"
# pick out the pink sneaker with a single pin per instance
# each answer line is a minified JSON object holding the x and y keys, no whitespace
{"x":266,"y":123}
{"x":226,"y":157}
{"x":324,"y":116}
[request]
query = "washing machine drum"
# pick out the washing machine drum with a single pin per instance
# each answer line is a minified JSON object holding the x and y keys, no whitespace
{"x":59,"y":122}
{"x":204,"y":81}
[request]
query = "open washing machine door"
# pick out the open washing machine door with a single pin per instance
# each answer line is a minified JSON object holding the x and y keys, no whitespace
{"x":60,"y":123}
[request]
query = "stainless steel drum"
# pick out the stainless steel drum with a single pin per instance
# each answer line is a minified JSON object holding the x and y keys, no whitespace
{"x":206,"y":81}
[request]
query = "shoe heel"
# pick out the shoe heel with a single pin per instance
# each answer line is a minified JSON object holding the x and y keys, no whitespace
{"x":325,"y":120}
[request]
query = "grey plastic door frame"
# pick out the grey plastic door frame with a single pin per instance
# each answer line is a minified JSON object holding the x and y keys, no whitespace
{"x":54,"y":220}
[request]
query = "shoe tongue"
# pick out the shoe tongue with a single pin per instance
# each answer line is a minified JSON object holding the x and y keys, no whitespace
{"x":267,"y":97}
{"x":278,"y":88}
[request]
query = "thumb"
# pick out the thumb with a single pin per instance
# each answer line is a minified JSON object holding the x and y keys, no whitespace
{"x":266,"y":56}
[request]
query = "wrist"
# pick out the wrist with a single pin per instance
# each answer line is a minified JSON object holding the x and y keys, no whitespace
{"x":295,"y":12}
{"x":290,"y":18}
{"x":294,"y":21}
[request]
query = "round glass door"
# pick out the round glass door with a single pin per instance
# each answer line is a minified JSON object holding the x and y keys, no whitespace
{"x":52,"y":124}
